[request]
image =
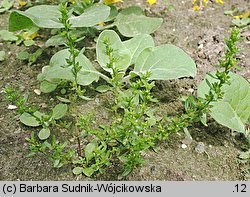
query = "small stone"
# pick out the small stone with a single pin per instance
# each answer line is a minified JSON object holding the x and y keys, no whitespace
{"x":200,"y":148}
{"x":184,"y":146}
{"x":191,"y":90}
{"x":37,"y":91}
{"x":12,"y":107}
{"x":43,"y":105}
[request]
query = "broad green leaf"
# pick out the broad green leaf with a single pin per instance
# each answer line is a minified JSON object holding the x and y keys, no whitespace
{"x":113,"y":13}
{"x":89,"y":149}
{"x":56,"y":40}
{"x":29,"y":43}
{"x":7,"y":36}
{"x":44,"y":134}
{"x":137,"y":44}
{"x":233,"y":111}
{"x":18,"y":21}
{"x":165,"y":62}
{"x":58,"y":69}
{"x":91,"y":16}
{"x":78,"y":170}
{"x":132,"y":22}
{"x":59,"y":111}
{"x":225,"y":115}
{"x":29,"y":120}
{"x":2,"y":56}
{"x":88,"y":171}
{"x":103,"y":88}
{"x":47,"y":87}
{"x":38,"y":114}
{"x":47,"y":16}
{"x":120,"y":51}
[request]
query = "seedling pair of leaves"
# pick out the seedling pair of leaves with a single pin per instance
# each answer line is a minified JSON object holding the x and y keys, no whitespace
{"x":37,"y":119}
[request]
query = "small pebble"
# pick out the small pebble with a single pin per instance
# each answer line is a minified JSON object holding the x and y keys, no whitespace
{"x":184,"y":146}
{"x":200,"y":148}
{"x":37,"y":91}
{"x":12,"y":107}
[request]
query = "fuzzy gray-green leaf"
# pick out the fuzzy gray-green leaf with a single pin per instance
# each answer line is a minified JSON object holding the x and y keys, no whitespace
{"x":165,"y":62}
{"x":132,"y":22}
{"x":44,"y":134}
{"x":233,"y":111}
{"x":29,"y":120}
{"x":120,"y":51}
{"x":137,"y":44}
{"x":59,"y":111}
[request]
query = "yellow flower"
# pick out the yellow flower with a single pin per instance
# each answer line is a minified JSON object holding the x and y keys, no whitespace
{"x":194,"y":1}
{"x":151,"y":2}
{"x":108,"y":2}
{"x":220,"y":1}
{"x":22,"y":3}
{"x":245,"y":15}
{"x":26,"y":36}
{"x":205,"y":1}
{"x":196,"y":8}
{"x":101,"y":23}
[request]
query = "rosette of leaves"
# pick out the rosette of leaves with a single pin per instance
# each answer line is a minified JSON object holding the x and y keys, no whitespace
{"x":45,"y":120}
{"x":164,"y":62}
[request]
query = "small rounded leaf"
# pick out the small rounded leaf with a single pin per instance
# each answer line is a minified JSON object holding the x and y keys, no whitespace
{"x":77,"y":170}
{"x":44,"y":134}
{"x":59,"y":111}
{"x":47,"y":87}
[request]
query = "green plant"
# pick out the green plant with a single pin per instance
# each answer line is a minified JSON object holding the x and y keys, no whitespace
{"x":19,"y":101}
{"x":135,"y":128}
{"x":55,"y":151}
{"x":45,"y":120}
{"x":132,"y":131}
{"x":6,"y":5}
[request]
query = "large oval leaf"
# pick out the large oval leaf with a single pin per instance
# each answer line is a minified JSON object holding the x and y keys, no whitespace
{"x":91,"y":16}
{"x":131,"y":22}
{"x":58,"y":69}
{"x":165,"y":62}
{"x":44,"y":134}
{"x":45,"y":16}
{"x":137,"y":44}
{"x":120,"y":51}
{"x":29,"y":120}
{"x":59,"y":111}
{"x":233,"y":111}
